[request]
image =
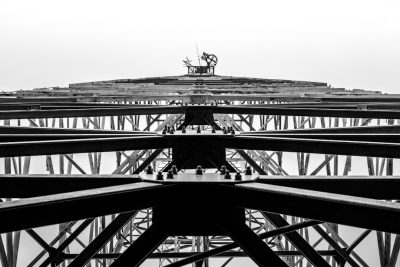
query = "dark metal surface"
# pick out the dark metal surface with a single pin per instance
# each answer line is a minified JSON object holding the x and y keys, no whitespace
{"x":166,"y":255}
{"x":384,"y":129}
{"x":323,"y":146}
{"x":335,"y":208}
{"x":147,"y":110}
{"x":78,"y":205}
{"x":322,"y":206}
{"x":47,"y":130}
{"x":377,"y":187}
{"x":23,"y":186}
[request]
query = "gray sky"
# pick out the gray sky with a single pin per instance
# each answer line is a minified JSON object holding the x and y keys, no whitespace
{"x":352,"y":44}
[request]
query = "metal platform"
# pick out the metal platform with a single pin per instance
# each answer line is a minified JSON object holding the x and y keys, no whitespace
{"x":206,"y":178}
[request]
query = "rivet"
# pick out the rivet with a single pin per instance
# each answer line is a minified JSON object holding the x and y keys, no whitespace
{"x":238,"y":176}
{"x":174,"y":169}
{"x":248,"y":171}
{"x":199,"y":170}
{"x":170,"y":175}
{"x":149,"y":170}
{"x":223,"y":170}
{"x":227,"y":175}
{"x":160,"y":176}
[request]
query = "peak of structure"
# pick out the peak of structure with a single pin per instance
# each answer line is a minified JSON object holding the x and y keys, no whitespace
{"x":210,"y":61}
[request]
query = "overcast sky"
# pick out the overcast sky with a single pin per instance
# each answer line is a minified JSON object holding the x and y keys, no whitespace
{"x":352,"y":44}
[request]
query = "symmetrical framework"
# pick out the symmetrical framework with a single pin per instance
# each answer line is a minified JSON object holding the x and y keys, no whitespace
{"x":199,"y":170}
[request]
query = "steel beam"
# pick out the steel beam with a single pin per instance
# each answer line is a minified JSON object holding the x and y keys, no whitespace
{"x":257,"y":250}
{"x":47,"y":130}
{"x":142,"y":247}
{"x":313,"y":146}
{"x":322,"y":112}
{"x":337,"y":147}
{"x":384,"y":129}
{"x":356,"y":242}
{"x":225,"y":248}
{"x":101,"y":240}
{"x":48,"y":137}
{"x":342,"y":252}
{"x":58,"y":208}
{"x":23,"y":186}
{"x":250,"y":161}
{"x":362,"y":137}
{"x":378,"y":187}
{"x":54,"y":256}
{"x":91,"y":112}
{"x":174,"y":255}
{"x":229,"y":109}
{"x":80,"y":145}
{"x":60,"y":235}
{"x":148,"y":160}
{"x":297,"y":240}
{"x":40,"y":240}
{"x":335,"y":208}
{"x":369,"y":137}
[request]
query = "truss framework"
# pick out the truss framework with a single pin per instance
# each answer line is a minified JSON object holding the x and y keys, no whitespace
{"x":74,"y":158}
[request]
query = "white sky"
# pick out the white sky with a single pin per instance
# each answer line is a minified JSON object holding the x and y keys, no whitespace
{"x":352,"y":44}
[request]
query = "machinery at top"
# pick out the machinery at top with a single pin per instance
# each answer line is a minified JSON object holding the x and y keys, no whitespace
{"x":210,"y":60}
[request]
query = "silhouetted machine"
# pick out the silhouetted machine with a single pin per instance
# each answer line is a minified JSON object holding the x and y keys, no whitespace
{"x":211,"y":61}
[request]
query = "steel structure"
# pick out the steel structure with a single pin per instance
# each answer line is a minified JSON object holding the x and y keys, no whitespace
{"x":112,"y":167}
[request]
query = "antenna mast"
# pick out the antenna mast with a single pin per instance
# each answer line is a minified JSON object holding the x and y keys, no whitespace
{"x":198,"y":55}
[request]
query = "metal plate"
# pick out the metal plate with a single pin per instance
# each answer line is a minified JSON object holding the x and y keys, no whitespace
{"x":193,"y":178}
{"x":191,"y":132}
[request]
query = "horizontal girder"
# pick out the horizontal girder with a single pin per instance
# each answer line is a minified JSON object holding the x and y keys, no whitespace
{"x":191,"y":141}
{"x":318,"y":205}
{"x":222,"y":109}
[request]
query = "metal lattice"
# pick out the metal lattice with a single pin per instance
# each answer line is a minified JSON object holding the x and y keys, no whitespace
{"x":112,"y":166}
